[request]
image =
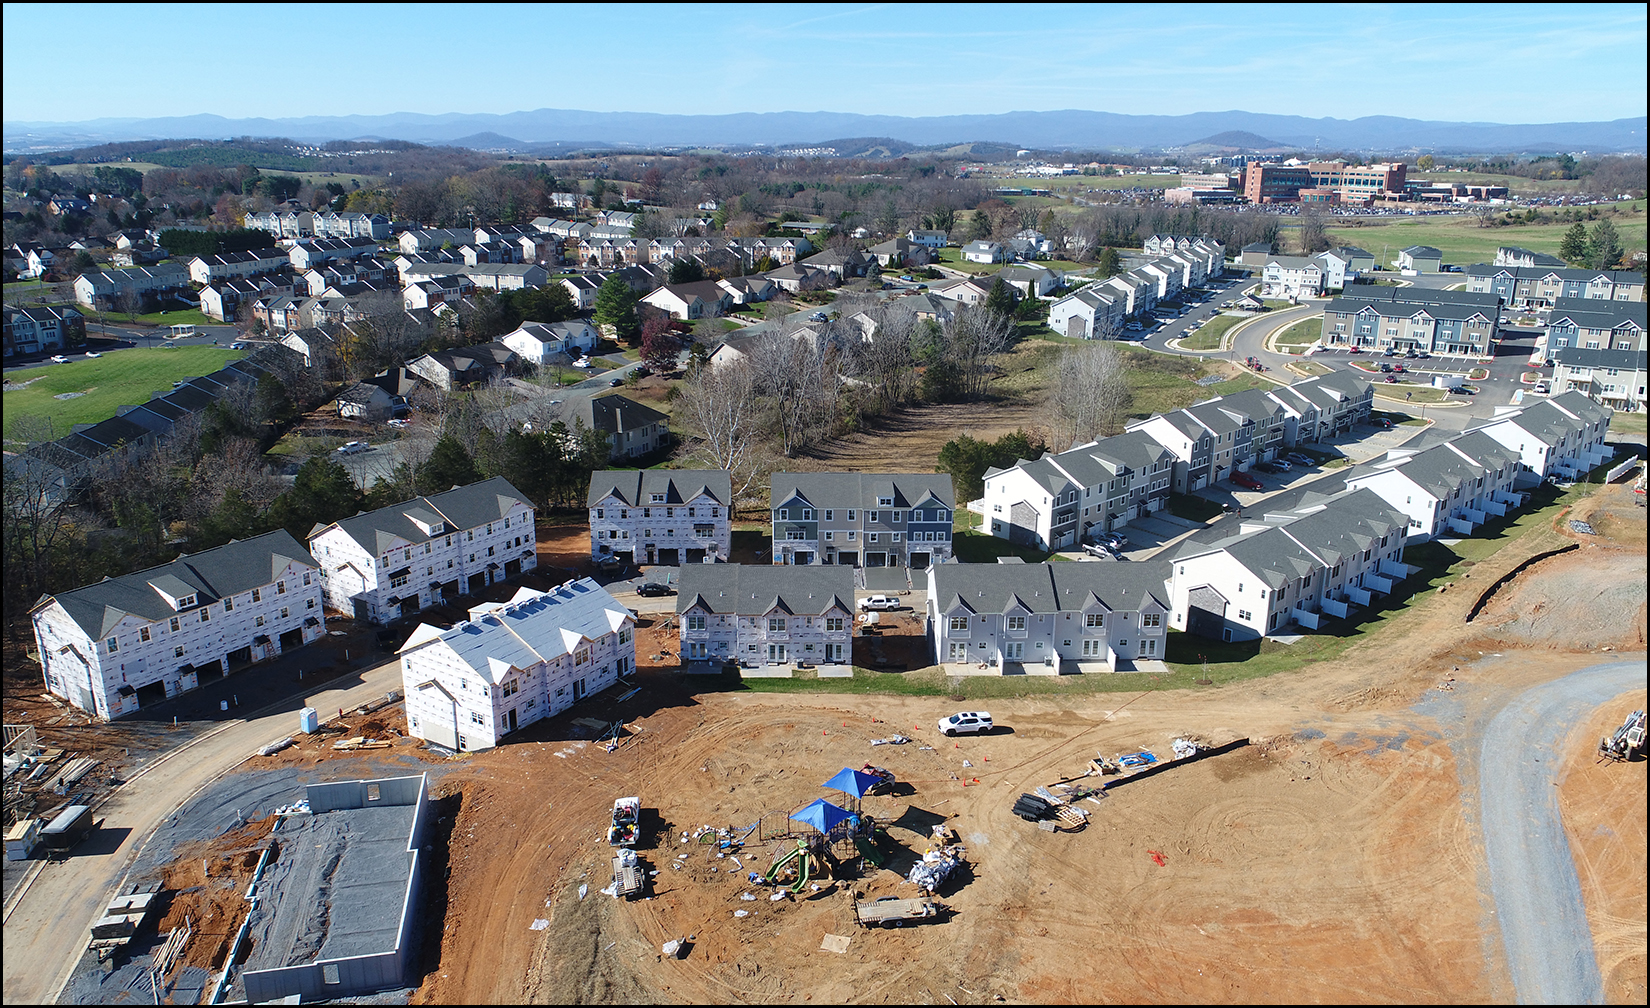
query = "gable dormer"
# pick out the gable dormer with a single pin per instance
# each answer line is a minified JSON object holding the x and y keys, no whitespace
{"x":428,"y":522}
{"x":179,"y":594}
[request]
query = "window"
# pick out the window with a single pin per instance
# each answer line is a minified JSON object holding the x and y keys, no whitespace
{"x":695,"y":622}
{"x":959,"y":623}
{"x":670,"y":512}
{"x":310,"y":604}
{"x":851,"y":514}
{"x":624,"y":635}
{"x":1094,"y":647}
{"x":784,"y":514}
{"x":186,"y":601}
{"x":599,"y":513}
{"x":896,"y":537}
{"x":807,"y":514}
{"x":1151,"y":619}
{"x":112,"y":644}
{"x":280,"y":587}
{"x":511,"y":687}
{"x":283,"y":612}
{"x":885,"y":502}
{"x":829,"y":536}
{"x":657,"y":498}
{"x":177,"y":652}
{"x":829,"y":514}
{"x":1244,"y":614}
{"x":873,"y":516}
{"x":1094,"y":620}
{"x":852,"y":536}
{"x":776,"y":624}
{"x":581,"y":656}
{"x":1016,"y":622}
{"x":870,"y":537}
{"x":229,"y":603}
{"x":206,"y":614}
{"x":476,"y":718}
{"x":896,"y":516}
{"x":143,"y":635}
{"x":833,"y":624}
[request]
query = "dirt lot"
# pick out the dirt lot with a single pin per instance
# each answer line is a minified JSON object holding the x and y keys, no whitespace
{"x":910,"y":441}
{"x":1604,"y":815}
{"x":1335,"y":853}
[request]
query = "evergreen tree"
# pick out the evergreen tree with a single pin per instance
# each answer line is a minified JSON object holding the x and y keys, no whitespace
{"x":1002,"y":298}
{"x":322,"y":492}
{"x":1603,"y":246}
{"x":1573,"y":249}
{"x":1110,"y":263}
{"x":686,"y":271}
{"x":979,"y":228}
{"x":616,"y":306}
{"x":449,"y":466}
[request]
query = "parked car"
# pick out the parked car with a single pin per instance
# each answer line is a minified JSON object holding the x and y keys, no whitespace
{"x":237,"y":345}
{"x":397,"y":423}
{"x":616,"y":382}
{"x":876,"y":602}
{"x":93,"y":353}
{"x":1100,"y":550}
{"x":1385,"y":367}
{"x":59,"y":359}
{"x":653,"y":588}
{"x":1283,"y":464}
{"x":1265,"y":467}
{"x":1247,"y":481}
{"x":1355,"y":349}
{"x":1390,"y":352}
{"x":1399,"y":369}
{"x":978,"y":722}
{"x":818,"y":316}
{"x":1113,"y":538}
{"x":353,"y":447}
{"x":1542,"y":388}
{"x":1299,"y":459}
{"x":583,"y":362}
{"x":1411,"y":354}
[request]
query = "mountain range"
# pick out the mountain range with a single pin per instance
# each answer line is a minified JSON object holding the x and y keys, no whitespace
{"x":1052,"y":131}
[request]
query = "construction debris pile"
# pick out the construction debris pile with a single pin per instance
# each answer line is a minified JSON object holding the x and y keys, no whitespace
{"x":939,"y":861}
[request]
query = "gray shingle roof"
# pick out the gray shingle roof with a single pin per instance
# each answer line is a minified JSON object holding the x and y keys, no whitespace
{"x":752,"y":590}
{"x":461,"y":508}
{"x":637,"y":486}
{"x":1050,"y":587}
{"x":237,"y":567}
{"x":862,"y":490}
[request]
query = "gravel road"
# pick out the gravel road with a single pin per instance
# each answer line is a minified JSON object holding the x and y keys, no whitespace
{"x":1544,"y":930}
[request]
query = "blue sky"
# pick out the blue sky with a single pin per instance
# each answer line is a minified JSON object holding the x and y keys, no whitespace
{"x":73,"y":62}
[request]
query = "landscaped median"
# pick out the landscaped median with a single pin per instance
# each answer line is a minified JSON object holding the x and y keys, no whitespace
{"x":1303,"y":333}
{"x":1213,"y":335}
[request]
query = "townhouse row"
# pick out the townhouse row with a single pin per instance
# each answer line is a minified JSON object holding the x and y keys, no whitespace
{"x":1064,"y":498}
{"x":1457,"y":323}
{"x":1102,"y":310}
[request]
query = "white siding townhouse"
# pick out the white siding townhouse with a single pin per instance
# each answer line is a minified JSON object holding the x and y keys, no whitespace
{"x":1613,"y":377}
{"x":862,"y":519}
{"x":386,"y":564}
{"x":666,"y":516}
{"x":114,"y":647}
{"x":1047,"y":618}
{"x":1062,"y":499}
{"x":1090,"y":312}
{"x":1562,"y":437}
{"x":1289,"y":567}
{"x":757,"y":615}
{"x":514,"y":663}
{"x":1292,"y":277}
{"x":205,"y":269}
{"x":539,"y":342}
{"x":1449,"y":488}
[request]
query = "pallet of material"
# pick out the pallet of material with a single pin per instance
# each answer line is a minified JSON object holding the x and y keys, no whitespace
{"x":627,"y":876}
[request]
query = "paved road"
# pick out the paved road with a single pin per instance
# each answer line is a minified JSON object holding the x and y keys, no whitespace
{"x":1537,"y":893}
{"x":48,"y":924}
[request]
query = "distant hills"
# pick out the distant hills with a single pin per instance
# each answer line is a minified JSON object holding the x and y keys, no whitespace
{"x":1236,"y":142}
{"x":1067,"y":130}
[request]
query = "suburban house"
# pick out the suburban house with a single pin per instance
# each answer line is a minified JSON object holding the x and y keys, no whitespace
{"x":756,"y":615}
{"x":1358,"y":261}
{"x":450,"y":369}
{"x":434,"y":238}
{"x":984,"y":252}
{"x":513,"y":663}
{"x":1090,"y":312}
{"x":862,"y":519}
{"x":897,"y":252}
{"x":664,"y":516}
{"x":350,"y":224}
{"x":1065,"y":498}
{"x":1032,"y":280}
{"x":1255,"y":253}
{"x":1411,"y":318}
{"x":538,"y":343}
{"x":381,"y":397}
{"x":1421,"y":259}
{"x":464,"y":539}
{"x":844,"y":264}
{"x":583,"y":290}
{"x":1613,"y":377}
{"x":1543,"y":286}
{"x":701,"y":299}
{"x":971,"y":292}
{"x":283,"y":223}
{"x":128,"y":642}
{"x":1047,"y":618}
{"x":633,"y":430}
{"x":930,"y":239}
{"x":1289,"y":567}
{"x":1594,"y":325}
{"x":748,"y":289}
{"x":795,"y":277}
{"x":435,"y":292}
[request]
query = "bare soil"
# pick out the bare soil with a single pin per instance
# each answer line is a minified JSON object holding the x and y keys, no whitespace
{"x":1604,"y":814}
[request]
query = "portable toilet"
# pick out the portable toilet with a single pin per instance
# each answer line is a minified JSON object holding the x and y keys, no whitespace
{"x":308,"y":720}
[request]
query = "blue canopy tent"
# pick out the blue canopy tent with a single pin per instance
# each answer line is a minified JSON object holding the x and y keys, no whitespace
{"x":853,"y":782}
{"x":822,"y":815}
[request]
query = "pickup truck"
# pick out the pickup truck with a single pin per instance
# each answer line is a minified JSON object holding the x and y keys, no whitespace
{"x":876,"y":602}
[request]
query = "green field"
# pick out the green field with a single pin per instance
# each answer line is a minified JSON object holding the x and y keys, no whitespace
{"x":121,"y":378}
{"x":1211,"y":335}
{"x":1463,"y":241}
{"x":1302,"y":333}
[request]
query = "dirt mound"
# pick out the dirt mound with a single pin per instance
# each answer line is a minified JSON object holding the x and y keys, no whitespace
{"x":1584,"y":600}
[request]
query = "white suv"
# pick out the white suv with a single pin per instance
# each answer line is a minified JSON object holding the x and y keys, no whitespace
{"x":978,"y":722}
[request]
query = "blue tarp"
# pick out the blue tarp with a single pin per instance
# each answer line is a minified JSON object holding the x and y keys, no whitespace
{"x":821,"y":815}
{"x":854,"y":782}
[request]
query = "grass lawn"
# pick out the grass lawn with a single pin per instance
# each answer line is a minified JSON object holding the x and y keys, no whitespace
{"x":122,"y":378}
{"x":1463,"y":241}
{"x":1242,"y":383}
{"x":1302,"y":333}
{"x":1192,"y":507}
{"x":978,"y":547}
{"x":1628,"y":423}
{"x":1311,"y":369}
{"x":1212,"y":335}
{"x":1410,"y":393}
{"x":185,"y":316}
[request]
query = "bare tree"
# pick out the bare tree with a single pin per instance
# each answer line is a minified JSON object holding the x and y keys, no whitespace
{"x":718,"y":406}
{"x":1091,"y":393}
{"x":796,"y":373}
{"x":974,"y":336}
{"x":883,"y":357}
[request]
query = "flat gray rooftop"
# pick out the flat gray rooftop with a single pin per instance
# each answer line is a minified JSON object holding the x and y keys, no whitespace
{"x":336,"y":889}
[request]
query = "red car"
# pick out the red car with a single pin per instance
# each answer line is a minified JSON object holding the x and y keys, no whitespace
{"x":1247,"y":481}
